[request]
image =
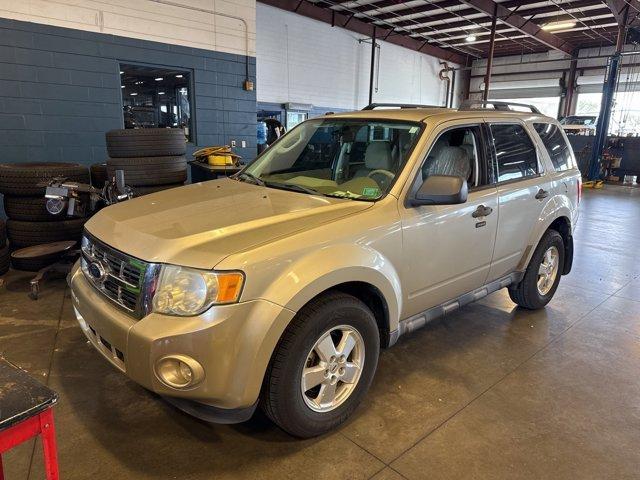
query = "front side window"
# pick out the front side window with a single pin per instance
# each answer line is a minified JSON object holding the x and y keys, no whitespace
{"x":455,"y":153}
{"x":350,"y":158}
{"x":156,"y":97}
{"x":515,"y":152}
{"x":554,"y":142}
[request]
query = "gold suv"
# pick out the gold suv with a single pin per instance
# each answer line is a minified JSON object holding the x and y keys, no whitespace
{"x":280,"y":285}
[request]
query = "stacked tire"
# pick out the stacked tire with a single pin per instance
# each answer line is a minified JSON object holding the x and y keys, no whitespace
{"x":29,"y":223}
{"x":152,"y":159}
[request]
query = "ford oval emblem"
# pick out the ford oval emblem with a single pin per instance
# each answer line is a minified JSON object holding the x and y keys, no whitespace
{"x":97,"y":271}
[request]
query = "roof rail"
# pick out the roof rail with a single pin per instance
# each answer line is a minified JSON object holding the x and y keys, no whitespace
{"x":504,"y":106}
{"x":373,"y":106}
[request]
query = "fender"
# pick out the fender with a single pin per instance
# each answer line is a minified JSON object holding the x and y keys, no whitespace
{"x":556,"y":207}
{"x":327,"y":267}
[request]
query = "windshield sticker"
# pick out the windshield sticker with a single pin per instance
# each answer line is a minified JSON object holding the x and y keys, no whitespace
{"x":413,"y":130}
{"x":371,"y":192}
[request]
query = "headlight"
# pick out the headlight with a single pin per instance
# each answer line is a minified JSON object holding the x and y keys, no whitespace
{"x":186,"y":291}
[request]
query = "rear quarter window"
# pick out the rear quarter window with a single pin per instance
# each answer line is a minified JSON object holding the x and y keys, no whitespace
{"x":556,"y":145}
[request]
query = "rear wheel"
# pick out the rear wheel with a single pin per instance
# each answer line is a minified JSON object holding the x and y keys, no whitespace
{"x":543,"y":274}
{"x":323,"y":365}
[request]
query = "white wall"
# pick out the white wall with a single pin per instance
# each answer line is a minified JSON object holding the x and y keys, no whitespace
{"x":307,"y":61}
{"x":148,"y":20}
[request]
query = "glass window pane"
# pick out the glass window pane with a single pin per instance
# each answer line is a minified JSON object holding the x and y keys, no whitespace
{"x":556,"y":146}
{"x":455,"y":153}
{"x":515,"y":152}
{"x":156,"y":97}
{"x":357,"y":159}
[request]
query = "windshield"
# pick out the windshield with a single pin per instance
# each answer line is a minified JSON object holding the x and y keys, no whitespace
{"x":347,"y":158}
{"x":574,"y":120}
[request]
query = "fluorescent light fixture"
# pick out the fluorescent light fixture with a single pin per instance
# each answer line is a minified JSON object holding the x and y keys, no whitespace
{"x":471,"y":38}
{"x":133,"y":94}
{"x":159,"y":79}
{"x":121,"y":72}
{"x":121,"y":86}
{"x":160,"y":93}
{"x":178,"y":76}
{"x":559,"y":25}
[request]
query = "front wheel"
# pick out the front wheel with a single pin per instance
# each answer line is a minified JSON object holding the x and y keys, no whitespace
{"x":542,"y":276}
{"x":323,"y":365}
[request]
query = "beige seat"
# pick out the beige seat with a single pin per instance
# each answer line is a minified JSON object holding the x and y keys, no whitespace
{"x":377,"y":156}
{"x":451,"y":161}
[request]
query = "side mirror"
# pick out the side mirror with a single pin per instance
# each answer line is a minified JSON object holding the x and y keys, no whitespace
{"x":441,"y":190}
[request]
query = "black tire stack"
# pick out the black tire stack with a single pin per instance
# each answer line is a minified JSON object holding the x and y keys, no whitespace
{"x":24,"y":203}
{"x":153,"y":159}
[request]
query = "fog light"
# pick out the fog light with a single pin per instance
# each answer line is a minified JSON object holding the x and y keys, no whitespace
{"x":179,"y":371}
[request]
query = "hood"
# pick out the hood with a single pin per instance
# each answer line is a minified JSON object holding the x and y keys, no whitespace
{"x":198,"y":225}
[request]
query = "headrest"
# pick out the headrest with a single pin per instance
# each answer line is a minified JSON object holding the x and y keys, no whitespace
{"x":378,"y":156}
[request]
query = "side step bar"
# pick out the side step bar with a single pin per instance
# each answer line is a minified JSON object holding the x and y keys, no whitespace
{"x":411,"y":324}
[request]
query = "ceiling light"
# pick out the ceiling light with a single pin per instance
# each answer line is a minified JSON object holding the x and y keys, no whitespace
{"x":471,"y":38}
{"x":133,"y":94}
{"x":160,"y":93}
{"x":121,"y":72}
{"x":178,"y":76}
{"x":159,"y":79}
{"x":122,"y":86}
{"x":559,"y":25}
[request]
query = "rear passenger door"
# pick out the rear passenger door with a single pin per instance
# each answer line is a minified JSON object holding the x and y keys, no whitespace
{"x":519,"y":176}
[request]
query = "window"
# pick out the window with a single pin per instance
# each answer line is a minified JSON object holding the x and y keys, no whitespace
{"x":515,"y":152}
{"x":347,"y":158}
{"x":556,"y":146}
{"x":625,"y":113}
{"x":455,"y":153}
{"x":154,"y":97}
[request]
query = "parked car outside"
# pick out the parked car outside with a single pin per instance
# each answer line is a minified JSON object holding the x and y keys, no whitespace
{"x":579,"y":124}
{"x":279,"y":287}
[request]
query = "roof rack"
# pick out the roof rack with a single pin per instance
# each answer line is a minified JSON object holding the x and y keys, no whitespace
{"x":373,"y":106}
{"x":504,"y":106}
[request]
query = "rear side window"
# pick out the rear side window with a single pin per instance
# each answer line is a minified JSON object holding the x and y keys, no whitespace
{"x":515,"y":153}
{"x":556,"y":146}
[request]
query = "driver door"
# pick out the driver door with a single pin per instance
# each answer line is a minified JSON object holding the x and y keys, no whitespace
{"x":447,"y":249}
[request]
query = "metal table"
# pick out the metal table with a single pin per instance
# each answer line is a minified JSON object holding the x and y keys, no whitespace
{"x":26,"y":411}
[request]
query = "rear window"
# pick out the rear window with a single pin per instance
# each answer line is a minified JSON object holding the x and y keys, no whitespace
{"x":556,"y":146}
{"x":515,"y":152}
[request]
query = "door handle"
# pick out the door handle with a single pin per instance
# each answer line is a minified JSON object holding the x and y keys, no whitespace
{"x":541,"y":194}
{"x":482,"y":211}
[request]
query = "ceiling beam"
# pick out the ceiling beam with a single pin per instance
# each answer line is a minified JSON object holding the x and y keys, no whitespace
{"x":521,"y":24}
{"x":347,"y":21}
{"x":618,"y":9}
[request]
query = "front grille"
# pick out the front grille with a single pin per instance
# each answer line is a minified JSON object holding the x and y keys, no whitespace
{"x":120,"y":277}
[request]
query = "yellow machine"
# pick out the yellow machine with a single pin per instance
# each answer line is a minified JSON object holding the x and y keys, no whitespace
{"x":219,"y":156}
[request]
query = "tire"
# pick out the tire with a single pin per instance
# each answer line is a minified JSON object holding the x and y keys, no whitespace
{"x":150,"y":171}
{"x":35,"y":264}
{"x":99,"y":175}
{"x":22,"y":179}
{"x":3,"y":233}
{"x":26,"y":234}
{"x":4,"y":259}
{"x":527,"y":293}
{"x":142,"y":191}
{"x":282,"y":398}
{"x":146,"y":142}
{"x":29,"y":209}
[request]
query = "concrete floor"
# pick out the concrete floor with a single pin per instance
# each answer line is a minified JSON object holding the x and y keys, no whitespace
{"x":488,"y":392}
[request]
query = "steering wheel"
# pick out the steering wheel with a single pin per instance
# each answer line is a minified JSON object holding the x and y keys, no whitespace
{"x":386,"y":173}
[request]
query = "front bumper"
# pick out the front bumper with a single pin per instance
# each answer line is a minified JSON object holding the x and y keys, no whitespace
{"x":233,"y":343}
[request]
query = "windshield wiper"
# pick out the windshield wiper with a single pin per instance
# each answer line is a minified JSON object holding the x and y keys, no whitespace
{"x":252,"y":177}
{"x":293,"y":187}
